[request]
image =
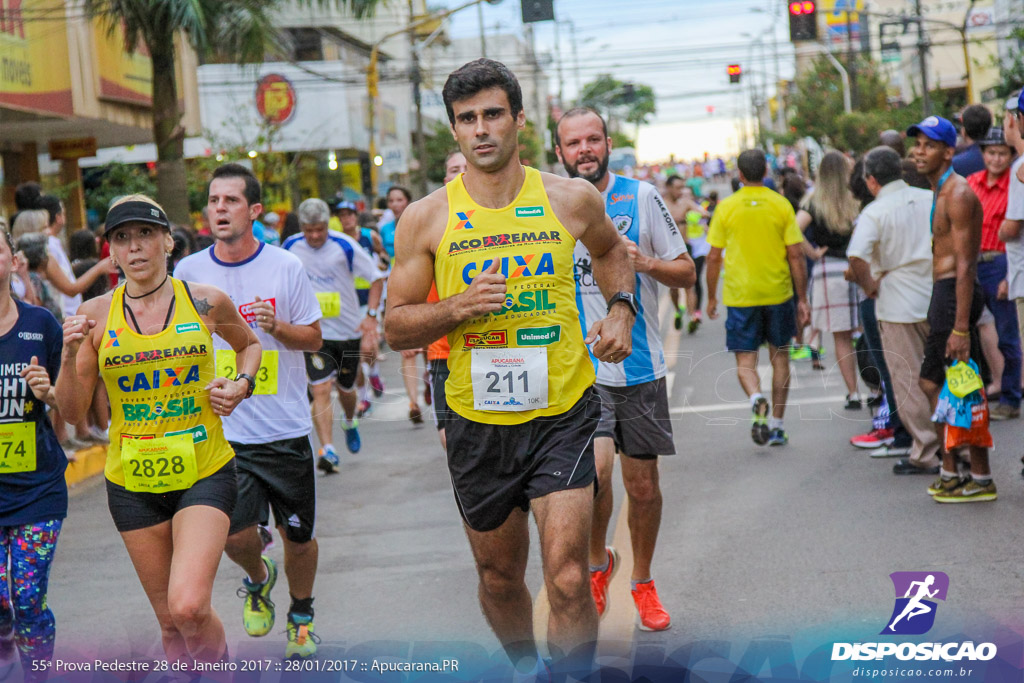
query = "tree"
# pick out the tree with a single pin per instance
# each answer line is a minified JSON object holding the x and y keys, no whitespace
{"x":1011,"y":71}
{"x":531,"y":149}
{"x":631,"y":102}
{"x":114,"y":180}
{"x":238,"y":30}
{"x":439,"y":144}
{"x":818,"y":107}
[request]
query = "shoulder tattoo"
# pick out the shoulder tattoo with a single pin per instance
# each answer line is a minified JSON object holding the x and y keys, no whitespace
{"x":203,"y":307}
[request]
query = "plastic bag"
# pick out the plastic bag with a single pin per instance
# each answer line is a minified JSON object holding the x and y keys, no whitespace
{"x":977,"y":434}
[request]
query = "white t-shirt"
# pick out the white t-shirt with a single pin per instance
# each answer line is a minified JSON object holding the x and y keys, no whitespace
{"x":273,"y":275}
{"x":893,"y":235}
{"x":332,"y":269}
{"x":647,"y":222}
{"x":1015,"y":248}
{"x":55,"y":249}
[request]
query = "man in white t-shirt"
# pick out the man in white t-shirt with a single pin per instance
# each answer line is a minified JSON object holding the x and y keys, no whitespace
{"x":891,"y":260}
{"x":1012,"y":230}
{"x":634,"y":398}
{"x":270,"y":433}
{"x":332,"y":261}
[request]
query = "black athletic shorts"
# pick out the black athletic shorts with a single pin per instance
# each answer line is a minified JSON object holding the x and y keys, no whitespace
{"x":941,"y":318}
{"x":496,"y":468}
{"x":438,"y":376}
{"x":637,"y":418}
{"x":280,"y":474}
{"x":335,"y":358}
{"x":133,"y":510}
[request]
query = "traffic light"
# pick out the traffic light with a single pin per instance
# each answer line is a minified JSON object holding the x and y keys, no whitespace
{"x":734,"y":71}
{"x":803,"y":20}
{"x":538,"y":10}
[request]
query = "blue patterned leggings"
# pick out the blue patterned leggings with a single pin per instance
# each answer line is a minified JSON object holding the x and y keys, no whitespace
{"x":29,"y":549}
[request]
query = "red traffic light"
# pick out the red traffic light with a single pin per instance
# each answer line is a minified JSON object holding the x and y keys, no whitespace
{"x":804,"y":7}
{"x":734,"y":70}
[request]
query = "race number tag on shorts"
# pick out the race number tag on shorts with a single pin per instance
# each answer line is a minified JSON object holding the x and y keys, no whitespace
{"x":266,"y":376}
{"x":166,"y":463}
{"x":330,"y":303}
{"x":17,"y":447}
{"x":962,"y":379}
{"x":510,"y":379}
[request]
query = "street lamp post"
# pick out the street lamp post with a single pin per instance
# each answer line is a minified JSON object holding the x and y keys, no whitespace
{"x":373,"y":79}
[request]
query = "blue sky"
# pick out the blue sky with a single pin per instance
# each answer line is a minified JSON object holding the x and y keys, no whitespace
{"x":679,"y":47}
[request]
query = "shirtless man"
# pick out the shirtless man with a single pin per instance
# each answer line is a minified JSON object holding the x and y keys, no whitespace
{"x":680,"y":200}
{"x":956,"y":302}
{"x":499,"y":241}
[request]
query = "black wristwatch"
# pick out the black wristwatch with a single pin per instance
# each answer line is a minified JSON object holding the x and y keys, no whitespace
{"x":248,"y":378}
{"x":627,"y":298}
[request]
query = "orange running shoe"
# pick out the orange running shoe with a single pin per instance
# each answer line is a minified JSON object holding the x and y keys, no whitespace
{"x":653,"y":616}
{"x":599,"y":581}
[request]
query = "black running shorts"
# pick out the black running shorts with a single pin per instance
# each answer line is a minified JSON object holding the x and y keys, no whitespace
{"x":133,"y":510}
{"x":941,"y":318}
{"x":496,"y":468}
{"x":335,"y":358}
{"x":280,"y":474}
{"x":637,"y":418}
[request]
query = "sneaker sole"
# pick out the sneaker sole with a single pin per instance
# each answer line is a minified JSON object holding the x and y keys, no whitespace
{"x":875,"y":444}
{"x":884,"y":452}
{"x":640,"y":625}
{"x":982,"y":498}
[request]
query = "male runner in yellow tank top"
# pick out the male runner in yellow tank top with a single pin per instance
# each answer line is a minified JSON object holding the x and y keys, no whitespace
{"x":499,"y":242}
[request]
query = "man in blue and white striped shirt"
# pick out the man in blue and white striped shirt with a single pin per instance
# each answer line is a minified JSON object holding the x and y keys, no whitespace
{"x":634,"y":413}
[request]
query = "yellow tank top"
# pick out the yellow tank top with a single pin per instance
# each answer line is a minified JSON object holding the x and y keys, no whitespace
{"x":157,"y":386}
{"x":529,"y":359}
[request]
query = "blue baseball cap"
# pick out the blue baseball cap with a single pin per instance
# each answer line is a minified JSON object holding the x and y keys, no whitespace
{"x":937,"y":128}
{"x":1020,"y":103}
{"x":346,"y":206}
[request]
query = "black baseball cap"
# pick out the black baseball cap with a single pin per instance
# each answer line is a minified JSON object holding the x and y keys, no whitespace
{"x":135,"y":211}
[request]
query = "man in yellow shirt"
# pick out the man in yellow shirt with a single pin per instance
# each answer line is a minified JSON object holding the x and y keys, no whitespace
{"x":764,"y":265}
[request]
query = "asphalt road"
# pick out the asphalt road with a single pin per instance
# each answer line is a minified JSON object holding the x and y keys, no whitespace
{"x":760,"y":548}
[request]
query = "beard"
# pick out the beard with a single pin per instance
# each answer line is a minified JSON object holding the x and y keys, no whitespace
{"x":599,"y":172}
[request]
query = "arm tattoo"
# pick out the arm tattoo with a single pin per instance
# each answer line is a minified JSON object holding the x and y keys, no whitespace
{"x":203,"y":307}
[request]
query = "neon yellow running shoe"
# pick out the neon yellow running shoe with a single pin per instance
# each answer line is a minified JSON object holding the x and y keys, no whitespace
{"x":301,"y":639}
{"x":258,"y":609}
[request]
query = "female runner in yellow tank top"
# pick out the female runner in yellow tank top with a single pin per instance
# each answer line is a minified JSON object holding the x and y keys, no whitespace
{"x":170,"y":472}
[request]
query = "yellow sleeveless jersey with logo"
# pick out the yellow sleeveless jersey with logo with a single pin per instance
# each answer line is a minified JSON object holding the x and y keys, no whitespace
{"x":528,"y":360}
{"x":157,"y":386}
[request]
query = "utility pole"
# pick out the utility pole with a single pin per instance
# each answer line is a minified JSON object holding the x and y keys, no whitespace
{"x":373,"y":83}
{"x":922,"y":55}
{"x":851,"y":57}
{"x":558,"y":58}
{"x":421,"y":144}
{"x":780,"y":108}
